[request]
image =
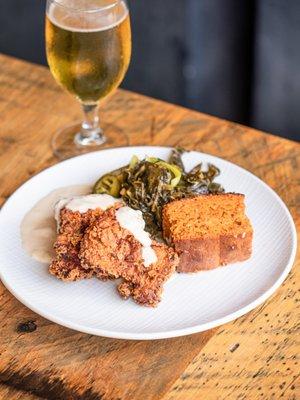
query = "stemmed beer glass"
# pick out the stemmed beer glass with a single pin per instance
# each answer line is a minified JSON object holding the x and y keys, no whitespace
{"x":88,"y":44}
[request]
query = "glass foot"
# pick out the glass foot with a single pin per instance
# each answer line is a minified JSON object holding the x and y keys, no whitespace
{"x":69,"y":142}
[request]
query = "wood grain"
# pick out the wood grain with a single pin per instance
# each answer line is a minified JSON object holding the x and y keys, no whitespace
{"x":254,"y":357}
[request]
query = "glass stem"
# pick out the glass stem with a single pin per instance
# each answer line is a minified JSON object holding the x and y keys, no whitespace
{"x":90,"y":122}
{"x":90,"y":133}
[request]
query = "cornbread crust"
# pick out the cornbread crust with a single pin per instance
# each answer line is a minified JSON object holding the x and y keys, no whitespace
{"x":218,"y":233}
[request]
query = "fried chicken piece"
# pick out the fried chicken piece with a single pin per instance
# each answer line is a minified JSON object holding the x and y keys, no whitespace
{"x":113,"y":250}
{"x":66,"y":265}
{"x":107,"y":248}
{"x":147,"y":289}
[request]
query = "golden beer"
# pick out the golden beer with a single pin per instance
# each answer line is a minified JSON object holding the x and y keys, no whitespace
{"x":90,"y":56}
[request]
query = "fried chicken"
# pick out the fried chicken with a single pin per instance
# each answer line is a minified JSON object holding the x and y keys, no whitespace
{"x":66,"y":265}
{"x":109,"y":249}
{"x":94,"y":244}
{"x":148,"y":287}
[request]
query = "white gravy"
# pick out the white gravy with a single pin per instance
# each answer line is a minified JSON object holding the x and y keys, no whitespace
{"x":38,"y":227}
{"x":133,"y":221}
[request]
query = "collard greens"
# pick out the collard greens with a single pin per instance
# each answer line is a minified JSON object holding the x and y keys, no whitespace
{"x":147,"y":185}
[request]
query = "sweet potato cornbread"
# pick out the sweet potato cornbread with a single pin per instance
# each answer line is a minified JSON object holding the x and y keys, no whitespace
{"x":208,"y":230}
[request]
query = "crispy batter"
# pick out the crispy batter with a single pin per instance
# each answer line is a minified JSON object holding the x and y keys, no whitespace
{"x":94,"y":244}
{"x":66,"y":265}
{"x":110,"y":248}
{"x":148,"y":287}
{"x":114,"y":250}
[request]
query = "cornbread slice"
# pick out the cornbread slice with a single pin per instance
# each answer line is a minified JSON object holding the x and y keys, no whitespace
{"x":208,"y":230}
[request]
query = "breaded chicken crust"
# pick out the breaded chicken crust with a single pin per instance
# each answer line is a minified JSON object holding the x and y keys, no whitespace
{"x":148,"y":287}
{"x":66,"y":265}
{"x":113,"y":250}
{"x":94,"y":244}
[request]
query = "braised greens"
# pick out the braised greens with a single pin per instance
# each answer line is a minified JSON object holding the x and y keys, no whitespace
{"x":149,"y":184}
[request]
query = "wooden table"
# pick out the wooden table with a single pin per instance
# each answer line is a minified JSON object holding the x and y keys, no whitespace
{"x":254,"y":357}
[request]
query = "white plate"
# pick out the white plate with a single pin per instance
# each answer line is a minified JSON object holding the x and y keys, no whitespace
{"x":191,"y":303}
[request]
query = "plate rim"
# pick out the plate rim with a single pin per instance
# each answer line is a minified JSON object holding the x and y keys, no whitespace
{"x":169,"y":333}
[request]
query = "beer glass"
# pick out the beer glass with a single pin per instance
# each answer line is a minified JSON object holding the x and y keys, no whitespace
{"x":88,"y":45}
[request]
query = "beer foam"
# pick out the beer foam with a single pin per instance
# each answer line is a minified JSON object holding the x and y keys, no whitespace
{"x":87,"y":21}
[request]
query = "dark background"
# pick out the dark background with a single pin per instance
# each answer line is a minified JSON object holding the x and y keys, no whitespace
{"x":236,"y":59}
